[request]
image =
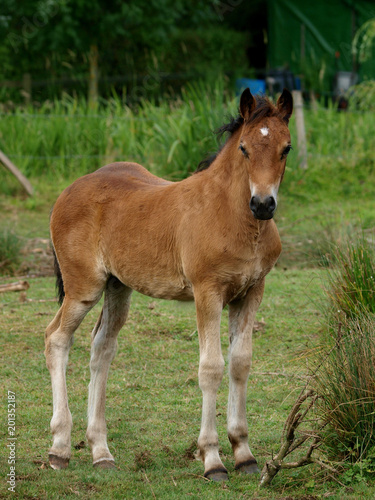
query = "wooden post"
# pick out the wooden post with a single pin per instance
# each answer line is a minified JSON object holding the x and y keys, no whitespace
{"x":26,"y":87}
{"x":94,"y":76}
{"x":301,"y":133}
{"x":20,"y":177}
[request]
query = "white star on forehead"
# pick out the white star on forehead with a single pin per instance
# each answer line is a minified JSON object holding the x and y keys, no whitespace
{"x":264,"y":131}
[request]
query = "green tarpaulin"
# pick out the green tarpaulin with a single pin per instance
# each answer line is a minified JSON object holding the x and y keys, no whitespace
{"x":313,"y":39}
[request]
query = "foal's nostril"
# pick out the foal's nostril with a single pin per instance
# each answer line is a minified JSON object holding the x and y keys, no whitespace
{"x":270,"y":204}
{"x":254,"y":203}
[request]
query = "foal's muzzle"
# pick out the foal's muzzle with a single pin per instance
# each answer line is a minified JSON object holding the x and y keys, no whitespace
{"x":263,"y":208}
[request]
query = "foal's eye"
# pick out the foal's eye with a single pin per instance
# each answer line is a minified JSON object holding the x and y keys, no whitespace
{"x":244,"y":151}
{"x":286,"y":151}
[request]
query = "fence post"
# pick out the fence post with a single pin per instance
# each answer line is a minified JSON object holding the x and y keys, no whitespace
{"x":93,"y":77}
{"x":26,"y":87}
{"x":301,"y":132}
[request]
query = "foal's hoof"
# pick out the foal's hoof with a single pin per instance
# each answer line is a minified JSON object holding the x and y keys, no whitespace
{"x":217,"y":475}
{"x":105,"y":464}
{"x":249,"y":467}
{"x":58,"y":463}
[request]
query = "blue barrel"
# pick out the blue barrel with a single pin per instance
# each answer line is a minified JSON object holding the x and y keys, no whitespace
{"x":255,"y":86}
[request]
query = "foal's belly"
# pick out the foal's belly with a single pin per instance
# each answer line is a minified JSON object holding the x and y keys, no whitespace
{"x":165,"y":291}
{"x":154,"y":282}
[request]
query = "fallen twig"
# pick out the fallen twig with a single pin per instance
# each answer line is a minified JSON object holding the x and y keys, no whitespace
{"x":147,"y":479}
{"x":18,"y":286}
{"x":282,"y":374}
{"x":295,"y":417}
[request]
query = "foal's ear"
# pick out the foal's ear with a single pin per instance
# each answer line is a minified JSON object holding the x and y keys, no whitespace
{"x":247,"y":104}
{"x":285,"y":105}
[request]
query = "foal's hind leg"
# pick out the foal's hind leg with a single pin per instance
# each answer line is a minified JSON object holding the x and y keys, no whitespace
{"x":58,"y":340}
{"x":241,"y":322}
{"x":104,"y":345}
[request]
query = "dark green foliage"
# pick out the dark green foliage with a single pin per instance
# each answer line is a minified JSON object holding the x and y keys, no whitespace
{"x":163,"y":43}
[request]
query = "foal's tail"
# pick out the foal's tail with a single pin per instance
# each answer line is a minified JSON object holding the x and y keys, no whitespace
{"x":59,"y":281}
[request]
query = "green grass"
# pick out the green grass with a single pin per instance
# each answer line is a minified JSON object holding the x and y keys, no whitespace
{"x":153,"y":381}
{"x":346,"y":379}
{"x":346,"y":382}
{"x":351,"y":282}
{"x":153,"y":398}
{"x":64,"y":139}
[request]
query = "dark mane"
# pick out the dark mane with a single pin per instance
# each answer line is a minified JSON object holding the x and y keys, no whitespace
{"x":264,"y":108}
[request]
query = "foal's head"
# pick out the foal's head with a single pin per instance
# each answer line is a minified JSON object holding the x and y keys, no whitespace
{"x":263,"y":144}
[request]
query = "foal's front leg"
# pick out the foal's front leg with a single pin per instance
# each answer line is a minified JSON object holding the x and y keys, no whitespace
{"x":241,"y":322}
{"x":211,"y":368}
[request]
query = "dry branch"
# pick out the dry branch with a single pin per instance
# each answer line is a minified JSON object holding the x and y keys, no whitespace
{"x":295,"y":418}
{"x":289,"y":444}
{"x":14,"y":170}
{"x":18,"y":286}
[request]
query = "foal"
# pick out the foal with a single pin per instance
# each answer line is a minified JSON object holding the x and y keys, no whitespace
{"x":209,"y":238}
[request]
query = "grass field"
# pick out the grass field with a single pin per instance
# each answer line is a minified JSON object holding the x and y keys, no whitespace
{"x":153,"y":398}
{"x":154,"y":401}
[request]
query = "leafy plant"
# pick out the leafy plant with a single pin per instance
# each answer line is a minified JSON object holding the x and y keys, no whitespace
{"x":360,"y":470}
{"x":363,"y":40}
{"x":10,"y":246}
{"x":362,"y":96}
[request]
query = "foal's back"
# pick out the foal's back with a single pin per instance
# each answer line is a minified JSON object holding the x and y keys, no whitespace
{"x":124,"y":220}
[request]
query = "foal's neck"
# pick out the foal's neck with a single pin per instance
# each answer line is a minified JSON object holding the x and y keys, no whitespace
{"x":230,"y":172}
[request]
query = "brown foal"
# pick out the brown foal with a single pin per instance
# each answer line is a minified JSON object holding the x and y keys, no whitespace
{"x":209,"y":238}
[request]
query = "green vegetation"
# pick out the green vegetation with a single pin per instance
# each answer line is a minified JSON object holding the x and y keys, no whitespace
{"x":346,"y":380}
{"x":351,"y":281}
{"x":64,"y":138}
{"x":362,"y":96}
{"x":153,"y":398}
{"x":135,"y":47}
{"x":10,"y":246}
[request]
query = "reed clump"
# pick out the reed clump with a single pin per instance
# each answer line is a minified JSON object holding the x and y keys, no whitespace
{"x":346,"y":378}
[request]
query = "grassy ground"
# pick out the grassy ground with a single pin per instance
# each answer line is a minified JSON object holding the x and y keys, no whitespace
{"x":154,"y":401}
{"x":153,"y":398}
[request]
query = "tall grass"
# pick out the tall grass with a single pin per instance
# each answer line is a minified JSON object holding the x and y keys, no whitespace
{"x":352,"y":280}
{"x":65,"y":138}
{"x":346,"y":380}
{"x":347,"y":384}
